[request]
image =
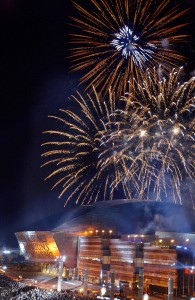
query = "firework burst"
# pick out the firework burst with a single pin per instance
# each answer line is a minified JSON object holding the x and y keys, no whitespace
{"x":83,"y":153}
{"x":142,"y":146}
{"x":158,"y":126}
{"x":117,"y":41}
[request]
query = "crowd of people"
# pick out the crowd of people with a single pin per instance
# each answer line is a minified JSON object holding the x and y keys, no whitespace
{"x":19,"y":290}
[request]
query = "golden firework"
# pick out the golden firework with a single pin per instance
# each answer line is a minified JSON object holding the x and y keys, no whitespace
{"x":141,"y":147}
{"x":84,"y":161}
{"x":159,"y":129}
{"x":116,"y":41}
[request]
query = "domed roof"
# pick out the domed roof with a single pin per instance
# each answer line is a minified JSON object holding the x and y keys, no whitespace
{"x":125,"y":216}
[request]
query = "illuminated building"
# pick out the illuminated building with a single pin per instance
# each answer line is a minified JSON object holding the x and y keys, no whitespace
{"x":102,"y":241}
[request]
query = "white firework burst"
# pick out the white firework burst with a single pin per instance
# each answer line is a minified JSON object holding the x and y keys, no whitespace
{"x":128,"y":44}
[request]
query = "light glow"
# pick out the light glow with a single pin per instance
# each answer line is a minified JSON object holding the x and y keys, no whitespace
{"x":142,"y":133}
{"x":176,"y":130}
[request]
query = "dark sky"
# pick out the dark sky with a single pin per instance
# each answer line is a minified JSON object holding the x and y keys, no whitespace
{"x":35,"y":81}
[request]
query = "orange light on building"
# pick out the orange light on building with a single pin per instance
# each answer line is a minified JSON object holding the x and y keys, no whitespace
{"x":172,"y":241}
{"x":189,"y":271}
{"x":160,"y":241}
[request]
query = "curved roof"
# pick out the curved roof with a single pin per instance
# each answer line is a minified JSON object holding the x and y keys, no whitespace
{"x":125,"y":216}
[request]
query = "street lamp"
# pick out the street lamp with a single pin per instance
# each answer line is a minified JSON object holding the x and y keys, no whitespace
{"x":103,"y":291}
{"x":146,"y":297}
{"x":60,"y":260}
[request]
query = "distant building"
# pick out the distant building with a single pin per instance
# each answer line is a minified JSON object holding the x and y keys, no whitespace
{"x":8,"y":254}
{"x":99,"y":242}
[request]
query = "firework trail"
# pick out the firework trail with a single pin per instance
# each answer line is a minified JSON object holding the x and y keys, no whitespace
{"x":158,"y":126}
{"x":117,"y":41}
{"x":142,"y":146}
{"x":84,"y":161}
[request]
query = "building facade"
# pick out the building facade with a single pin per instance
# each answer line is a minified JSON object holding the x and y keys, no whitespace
{"x":158,"y":257}
{"x":98,"y":242}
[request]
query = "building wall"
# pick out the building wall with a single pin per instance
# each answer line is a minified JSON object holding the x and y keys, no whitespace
{"x":122,"y":259}
{"x":159,"y":265}
{"x":125,"y":259}
{"x":37,"y":245}
{"x":161,"y":257}
{"x":68,"y":247}
{"x":90,"y":257}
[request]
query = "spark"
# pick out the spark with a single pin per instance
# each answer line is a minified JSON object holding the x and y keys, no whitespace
{"x":84,"y":158}
{"x":141,"y":147}
{"x":165,"y":153}
{"x":116,"y":42}
{"x":143,"y":133}
{"x":127,"y":43}
{"x":176,"y":130}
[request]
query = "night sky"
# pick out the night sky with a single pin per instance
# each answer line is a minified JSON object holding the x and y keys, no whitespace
{"x":35,"y":82}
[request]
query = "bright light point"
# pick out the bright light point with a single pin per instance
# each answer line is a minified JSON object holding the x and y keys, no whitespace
{"x":103,"y":291}
{"x":146,"y":297}
{"x":175,"y":130}
{"x":172,"y":241}
{"x":6,"y":252}
{"x":187,"y":240}
{"x":160,"y":241}
{"x":142,"y":133}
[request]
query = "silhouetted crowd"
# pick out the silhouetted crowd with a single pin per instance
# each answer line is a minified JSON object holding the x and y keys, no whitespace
{"x":21,"y":291}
